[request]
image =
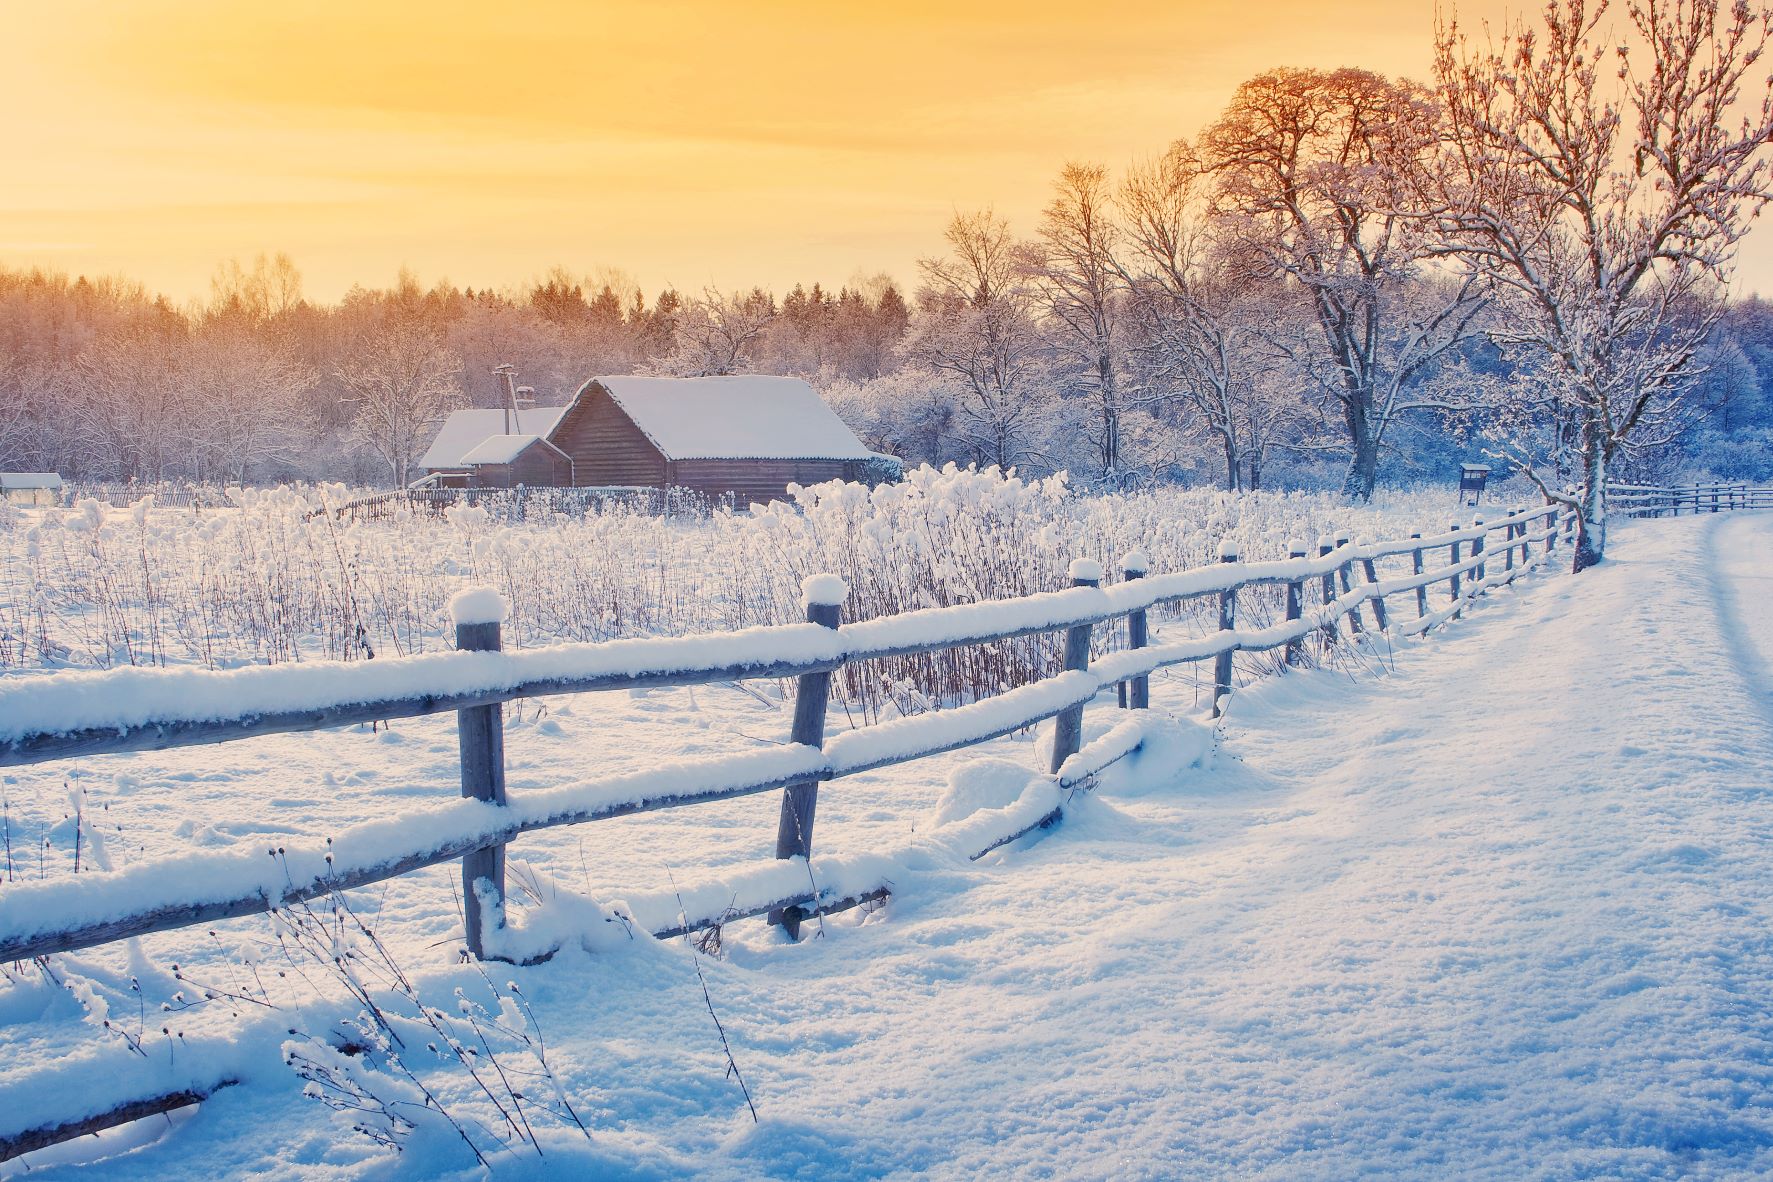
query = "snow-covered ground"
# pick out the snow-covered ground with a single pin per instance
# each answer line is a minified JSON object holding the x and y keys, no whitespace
{"x":1491,"y":904}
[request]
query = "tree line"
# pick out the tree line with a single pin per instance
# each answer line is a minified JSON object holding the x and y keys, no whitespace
{"x":1341,"y":275}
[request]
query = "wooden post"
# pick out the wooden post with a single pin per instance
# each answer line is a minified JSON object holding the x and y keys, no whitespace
{"x":1295,"y":605}
{"x":1477,"y":549}
{"x":1551,"y":530}
{"x":1453,"y":583}
{"x":1378,"y":600}
{"x":1416,"y":567}
{"x":1068,"y":727}
{"x":824,"y":596}
{"x":1138,"y":692}
{"x":1345,"y":572}
{"x":1227,"y":622}
{"x":480,"y":736}
{"x":1714,"y":498}
{"x":1508,"y":546}
{"x":1324,"y":546}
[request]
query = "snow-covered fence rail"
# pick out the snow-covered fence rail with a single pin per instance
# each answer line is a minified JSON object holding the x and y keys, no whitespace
{"x":82,"y":714}
{"x":1649,"y":500}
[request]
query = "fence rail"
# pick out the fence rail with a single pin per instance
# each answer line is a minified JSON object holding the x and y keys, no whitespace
{"x":81,"y":714}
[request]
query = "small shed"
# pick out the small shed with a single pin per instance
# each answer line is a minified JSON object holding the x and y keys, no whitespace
{"x":748,"y":437}
{"x":506,"y":461}
{"x":445,"y":461}
{"x":31,"y":488}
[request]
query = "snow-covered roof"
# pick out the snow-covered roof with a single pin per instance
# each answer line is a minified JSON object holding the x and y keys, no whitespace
{"x":502,"y":449}
{"x":465,"y":430}
{"x":30,"y":480}
{"x":734,"y":418}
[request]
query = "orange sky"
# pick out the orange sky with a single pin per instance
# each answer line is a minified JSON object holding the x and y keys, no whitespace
{"x":690,"y":143}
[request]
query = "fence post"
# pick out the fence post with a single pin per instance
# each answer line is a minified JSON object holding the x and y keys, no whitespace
{"x":823,"y":596}
{"x":1372,"y":574}
{"x":1068,"y":727}
{"x":1295,"y":605}
{"x":1345,"y":571}
{"x":1714,"y":498}
{"x":480,"y":736}
{"x":1227,"y":622}
{"x":1508,"y":546}
{"x":1138,"y":692}
{"x":1453,"y":583}
{"x":1416,"y":568}
{"x":1324,"y":546}
{"x":1477,"y":550}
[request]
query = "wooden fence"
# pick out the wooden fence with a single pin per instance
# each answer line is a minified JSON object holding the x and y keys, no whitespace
{"x":519,"y":501}
{"x":77,"y":715}
{"x":1649,"y":500}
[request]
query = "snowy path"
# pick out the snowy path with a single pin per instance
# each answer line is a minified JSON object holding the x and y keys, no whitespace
{"x":1501,"y":910}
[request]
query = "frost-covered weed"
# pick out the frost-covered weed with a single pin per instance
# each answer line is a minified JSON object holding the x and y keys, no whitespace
{"x":272,"y":580}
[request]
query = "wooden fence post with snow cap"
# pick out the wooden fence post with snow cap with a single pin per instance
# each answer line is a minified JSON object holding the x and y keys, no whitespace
{"x":1453,"y":583}
{"x":1416,"y":567}
{"x":1068,"y":726}
{"x":1345,"y":571}
{"x":1325,"y":544}
{"x":1295,"y":605}
{"x":1508,"y":536}
{"x":1482,"y":570}
{"x":823,"y":597}
{"x":1372,"y":573}
{"x":1133,"y":566}
{"x":1227,"y":621}
{"x":480,"y":735}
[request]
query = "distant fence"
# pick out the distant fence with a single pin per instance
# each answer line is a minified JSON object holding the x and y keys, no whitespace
{"x":1651,"y":500}
{"x":166,"y":496}
{"x":521,"y":501}
{"x":82,"y":714}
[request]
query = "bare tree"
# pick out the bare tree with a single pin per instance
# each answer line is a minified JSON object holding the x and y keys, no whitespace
{"x":1317,"y":176}
{"x":1198,"y":321}
{"x":975,"y":320}
{"x":714,"y":335}
{"x":1078,"y":286}
{"x":248,"y":389}
{"x":401,"y":379}
{"x":1605,"y":212}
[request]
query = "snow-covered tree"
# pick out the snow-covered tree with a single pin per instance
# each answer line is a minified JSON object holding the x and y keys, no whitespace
{"x":1318,"y":176}
{"x":1601,"y":189}
{"x":975,"y":321}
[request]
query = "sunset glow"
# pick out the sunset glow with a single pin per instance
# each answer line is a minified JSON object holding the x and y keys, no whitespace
{"x":689,"y":143}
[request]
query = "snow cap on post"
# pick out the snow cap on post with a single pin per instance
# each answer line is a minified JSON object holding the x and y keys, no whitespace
{"x":1135,"y":563}
{"x":1085,"y":570}
{"x":828,"y":590}
{"x":1227,"y":550}
{"x":477,"y":605}
{"x":1326,"y":543}
{"x":1296,"y":548}
{"x":1342,"y":537}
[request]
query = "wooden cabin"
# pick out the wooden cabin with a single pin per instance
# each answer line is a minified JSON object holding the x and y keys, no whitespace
{"x":746,"y":437}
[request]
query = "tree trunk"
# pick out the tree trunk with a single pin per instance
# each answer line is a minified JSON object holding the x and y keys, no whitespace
{"x":1363,"y":464}
{"x":1232,"y":465}
{"x":1591,"y":525}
